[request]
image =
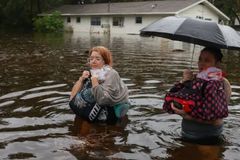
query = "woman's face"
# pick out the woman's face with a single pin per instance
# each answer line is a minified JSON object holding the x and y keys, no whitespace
{"x":206,"y":59}
{"x":96,"y":61}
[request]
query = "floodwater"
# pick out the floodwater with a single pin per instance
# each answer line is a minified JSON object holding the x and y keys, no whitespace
{"x":38,"y":71}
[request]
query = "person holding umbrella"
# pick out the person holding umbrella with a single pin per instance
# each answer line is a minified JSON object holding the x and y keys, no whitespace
{"x":201,"y":100}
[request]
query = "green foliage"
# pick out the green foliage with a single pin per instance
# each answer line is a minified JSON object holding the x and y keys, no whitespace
{"x":14,"y":13}
{"x":19,"y":13}
{"x":230,"y":7}
{"x":50,"y":23}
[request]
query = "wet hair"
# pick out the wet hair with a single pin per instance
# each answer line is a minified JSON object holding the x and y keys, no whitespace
{"x":104,"y":52}
{"x":216,"y":52}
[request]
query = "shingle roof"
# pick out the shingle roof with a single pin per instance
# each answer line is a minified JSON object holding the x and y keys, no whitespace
{"x":166,"y":6}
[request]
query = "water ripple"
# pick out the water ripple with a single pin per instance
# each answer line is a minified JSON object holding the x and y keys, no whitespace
{"x":40,"y":70}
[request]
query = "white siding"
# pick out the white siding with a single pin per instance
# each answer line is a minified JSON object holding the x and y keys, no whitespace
{"x":200,"y":11}
{"x":83,"y":26}
{"x":130,"y":26}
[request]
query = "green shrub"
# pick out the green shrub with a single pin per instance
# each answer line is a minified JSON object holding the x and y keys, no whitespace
{"x":49,"y":23}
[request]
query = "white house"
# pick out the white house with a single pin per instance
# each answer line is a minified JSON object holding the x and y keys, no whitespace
{"x":130,"y":17}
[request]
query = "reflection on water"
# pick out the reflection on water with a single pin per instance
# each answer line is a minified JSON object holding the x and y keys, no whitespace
{"x":38,"y":71}
{"x":197,"y":152}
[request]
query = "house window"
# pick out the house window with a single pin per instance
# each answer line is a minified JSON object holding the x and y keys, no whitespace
{"x":138,"y":20}
{"x":78,"y":19}
{"x":118,"y":21}
{"x":95,"y":21}
{"x":68,"y":19}
{"x":220,"y":21}
{"x":199,"y":17}
{"x":208,"y":19}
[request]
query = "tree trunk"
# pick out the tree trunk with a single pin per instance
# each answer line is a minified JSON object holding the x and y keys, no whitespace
{"x":31,"y":8}
{"x":39,"y":8}
{"x":235,"y":16}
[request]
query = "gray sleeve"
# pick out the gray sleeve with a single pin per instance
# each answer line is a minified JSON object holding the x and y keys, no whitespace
{"x":111,"y":91}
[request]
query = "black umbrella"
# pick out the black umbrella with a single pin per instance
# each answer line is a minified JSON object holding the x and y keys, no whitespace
{"x":204,"y":33}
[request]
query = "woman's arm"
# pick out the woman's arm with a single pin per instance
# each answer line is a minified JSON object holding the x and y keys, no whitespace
{"x":111,"y":91}
{"x":79,"y":84}
{"x":94,"y":80}
{"x":103,"y":92}
{"x":76,"y":88}
{"x":227,"y":89}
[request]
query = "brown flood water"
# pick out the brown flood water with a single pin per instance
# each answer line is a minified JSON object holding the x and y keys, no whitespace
{"x":38,"y":71}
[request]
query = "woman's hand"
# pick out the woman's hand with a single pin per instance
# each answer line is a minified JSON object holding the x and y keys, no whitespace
{"x":180,"y":112}
{"x":78,"y":85}
{"x":84,"y":76}
{"x":94,"y":75}
{"x":94,"y":78}
{"x":187,"y":75}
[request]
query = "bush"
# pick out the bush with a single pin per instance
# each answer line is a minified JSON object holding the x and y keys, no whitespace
{"x":49,"y":23}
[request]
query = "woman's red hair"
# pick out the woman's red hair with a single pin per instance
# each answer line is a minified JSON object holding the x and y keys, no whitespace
{"x":104,"y":52}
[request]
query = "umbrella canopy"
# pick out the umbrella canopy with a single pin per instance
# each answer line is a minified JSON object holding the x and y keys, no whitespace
{"x":205,"y":33}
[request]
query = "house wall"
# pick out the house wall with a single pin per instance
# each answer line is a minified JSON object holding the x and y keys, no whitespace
{"x":83,"y":26}
{"x":201,"y":12}
{"x":130,"y":26}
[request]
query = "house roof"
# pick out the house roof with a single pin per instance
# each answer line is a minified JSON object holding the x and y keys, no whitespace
{"x":146,"y":7}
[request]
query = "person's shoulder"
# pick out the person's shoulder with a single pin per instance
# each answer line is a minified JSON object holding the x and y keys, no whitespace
{"x":225,"y":80}
{"x":113,"y":72}
{"x":227,"y":87}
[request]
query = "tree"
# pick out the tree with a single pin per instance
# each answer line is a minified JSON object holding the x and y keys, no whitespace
{"x":51,"y":23}
{"x":21,"y":12}
{"x":230,"y":7}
